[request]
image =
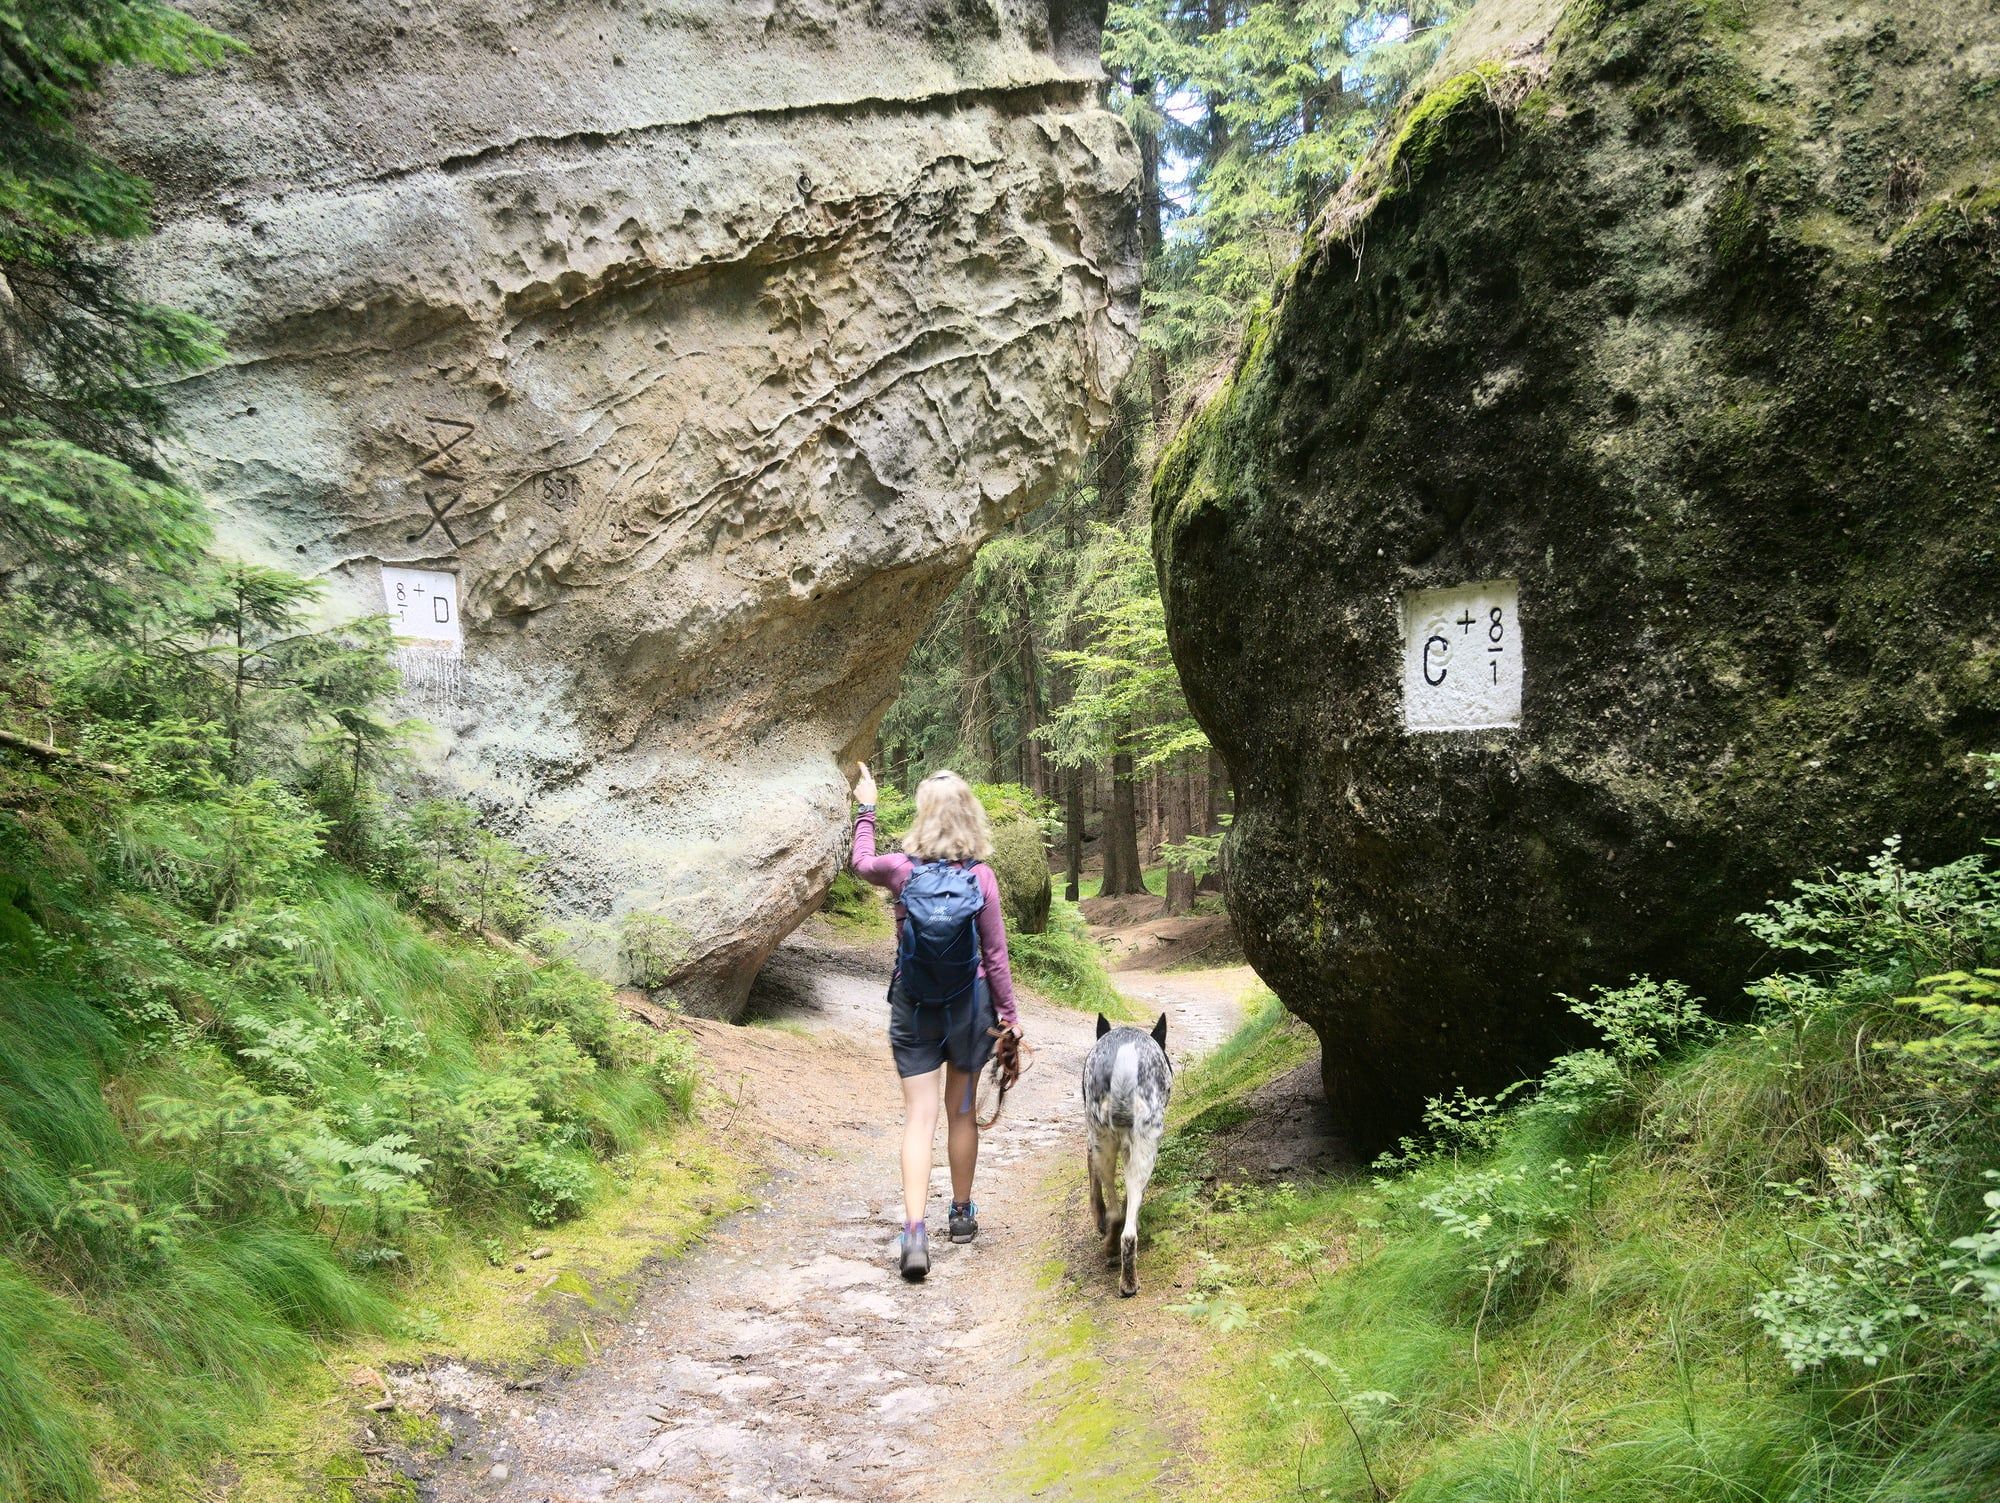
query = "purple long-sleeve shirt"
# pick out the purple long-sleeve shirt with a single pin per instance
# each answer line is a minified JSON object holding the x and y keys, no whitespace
{"x":892,"y":870}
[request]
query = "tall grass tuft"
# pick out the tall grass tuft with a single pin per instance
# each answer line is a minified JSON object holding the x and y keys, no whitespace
{"x":1065,"y":965}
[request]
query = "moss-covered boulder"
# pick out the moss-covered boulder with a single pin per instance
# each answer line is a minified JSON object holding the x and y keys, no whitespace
{"x":1683,"y":320}
{"x":1020,"y":865}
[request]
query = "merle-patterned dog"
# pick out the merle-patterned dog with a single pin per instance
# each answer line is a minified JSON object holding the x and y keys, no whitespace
{"x":1126,"y":1082}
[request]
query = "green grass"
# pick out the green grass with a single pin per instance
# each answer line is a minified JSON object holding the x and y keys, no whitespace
{"x":1098,"y":1443}
{"x":1091,"y":884}
{"x":1617,"y":1357}
{"x":1270,"y":1043}
{"x":469,"y":1309}
{"x":855,"y":908}
{"x":1065,"y":965}
{"x":180,"y":1236}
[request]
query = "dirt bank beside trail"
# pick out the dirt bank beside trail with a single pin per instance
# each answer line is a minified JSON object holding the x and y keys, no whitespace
{"x":785,"y":1359}
{"x":1137,"y":933}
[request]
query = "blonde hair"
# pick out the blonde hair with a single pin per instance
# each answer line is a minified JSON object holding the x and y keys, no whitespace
{"x":950,"y":824}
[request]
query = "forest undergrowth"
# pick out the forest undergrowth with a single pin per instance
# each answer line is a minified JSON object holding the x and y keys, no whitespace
{"x":1753,"y":1260}
{"x":272,"y":1057}
{"x":285,"y":1041}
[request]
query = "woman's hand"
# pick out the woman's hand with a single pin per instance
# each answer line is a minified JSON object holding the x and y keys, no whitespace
{"x":864,"y":786}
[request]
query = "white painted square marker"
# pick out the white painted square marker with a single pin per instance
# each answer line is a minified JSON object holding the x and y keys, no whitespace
{"x":1462,"y":657}
{"x":422,"y":605}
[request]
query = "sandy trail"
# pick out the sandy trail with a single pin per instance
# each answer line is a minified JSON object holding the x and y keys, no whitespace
{"x":785,"y":1359}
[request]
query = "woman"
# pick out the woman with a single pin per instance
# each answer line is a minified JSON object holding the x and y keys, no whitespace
{"x":931,"y":1023}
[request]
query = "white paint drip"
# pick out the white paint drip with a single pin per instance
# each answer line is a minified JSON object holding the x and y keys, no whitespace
{"x":433,"y":676}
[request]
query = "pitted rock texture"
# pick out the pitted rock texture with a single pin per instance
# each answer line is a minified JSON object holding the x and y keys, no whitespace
{"x":1682,"y":317}
{"x":703,"y":342}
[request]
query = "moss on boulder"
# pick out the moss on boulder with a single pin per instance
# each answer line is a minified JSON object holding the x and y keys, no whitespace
{"x":1020,"y":864}
{"x":1682,"y":315}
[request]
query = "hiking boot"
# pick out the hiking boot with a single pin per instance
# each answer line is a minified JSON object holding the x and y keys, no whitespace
{"x":964,"y":1221}
{"x":916,"y":1252}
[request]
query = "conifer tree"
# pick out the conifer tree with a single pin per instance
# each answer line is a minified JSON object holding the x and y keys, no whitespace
{"x":88,"y":518}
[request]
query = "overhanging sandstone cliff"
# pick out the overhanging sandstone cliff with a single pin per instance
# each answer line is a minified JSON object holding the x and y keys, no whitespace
{"x":690,"y":348}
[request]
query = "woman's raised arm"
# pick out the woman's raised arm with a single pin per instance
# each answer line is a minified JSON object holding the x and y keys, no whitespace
{"x":883,"y":871}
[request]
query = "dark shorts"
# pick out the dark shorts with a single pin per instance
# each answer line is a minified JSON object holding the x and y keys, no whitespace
{"x":922,"y":1038}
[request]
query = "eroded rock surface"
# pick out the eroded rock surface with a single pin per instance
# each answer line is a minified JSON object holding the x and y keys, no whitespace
{"x":702,"y":342}
{"x":1680,"y":317}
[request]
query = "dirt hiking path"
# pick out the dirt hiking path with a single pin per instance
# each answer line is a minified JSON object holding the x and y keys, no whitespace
{"x":785,"y":1359}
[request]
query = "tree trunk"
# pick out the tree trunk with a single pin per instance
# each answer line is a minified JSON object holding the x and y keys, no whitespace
{"x":1149,"y":849}
{"x":1180,"y":884}
{"x":1031,"y":694}
{"x":1073,"y":833}
{"x":975,"y":729}
{"x":1123,"y":875}
{"x":1211,"y":807}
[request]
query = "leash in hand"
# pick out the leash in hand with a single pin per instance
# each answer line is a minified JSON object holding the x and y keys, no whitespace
{"x":1011,"y":1060}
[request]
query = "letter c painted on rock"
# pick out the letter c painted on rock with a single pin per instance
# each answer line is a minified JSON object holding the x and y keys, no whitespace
{"x":1442,"y":670}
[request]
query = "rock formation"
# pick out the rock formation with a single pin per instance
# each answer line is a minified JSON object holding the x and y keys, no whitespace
{"x":696,"y":345}
{"x":1670,"y":327}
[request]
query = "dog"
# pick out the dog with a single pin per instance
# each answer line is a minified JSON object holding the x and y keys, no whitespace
{"x":1127,"y":1079}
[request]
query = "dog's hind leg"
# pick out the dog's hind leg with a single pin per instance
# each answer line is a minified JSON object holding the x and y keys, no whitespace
{"x":1100,"y":1176}
{"x":1144,"y":1149}
{"x":1112,"y":1140}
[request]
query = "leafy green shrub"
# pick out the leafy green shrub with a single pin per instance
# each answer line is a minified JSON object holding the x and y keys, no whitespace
{"x":466,"y":876}
{"x":652,"y":949}
{"x":234,"y":844}
{"x":1508,"y":1221}
{"x":1877,"y":1275}
{"x":1887,"y":917}
{"x":1958,"y":1060}
{"x":1454,"y":1126}
{"x":1644,"y":1018}
{"x":557,"y":1184}
{"x":1752,"y":1261}
{"x":673,"y":1069}
{"x":1586,"y":1087}
{"x":239,"y":1084}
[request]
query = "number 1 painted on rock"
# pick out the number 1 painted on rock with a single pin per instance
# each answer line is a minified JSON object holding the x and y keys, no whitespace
{"x":1443,"y":689}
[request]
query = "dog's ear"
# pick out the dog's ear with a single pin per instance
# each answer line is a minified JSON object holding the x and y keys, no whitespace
{"x":1160,"y":1031}
{"x":1103,"y":1025}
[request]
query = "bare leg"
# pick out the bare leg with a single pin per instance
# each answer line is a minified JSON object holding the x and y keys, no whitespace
{"x":920,"y":1113}
{"x":1138,"y":1169}
{"x":961,"y":1129}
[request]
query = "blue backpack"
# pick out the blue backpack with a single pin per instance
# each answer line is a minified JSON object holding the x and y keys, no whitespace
{"x":937,"y":953}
